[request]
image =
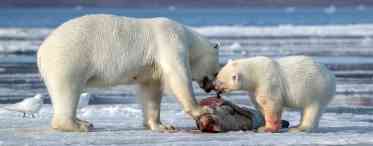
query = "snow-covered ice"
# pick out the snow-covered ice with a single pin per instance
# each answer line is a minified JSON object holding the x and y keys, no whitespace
{"x":121,"y":124}
{"x":288,"y":30}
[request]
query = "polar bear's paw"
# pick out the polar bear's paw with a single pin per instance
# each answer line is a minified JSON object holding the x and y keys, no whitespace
{"x":161,"y":127}
{"x":299,"y":129}
{"x":85,"y":124}
{"x":71,"y":125}
{"x":264,"y":129}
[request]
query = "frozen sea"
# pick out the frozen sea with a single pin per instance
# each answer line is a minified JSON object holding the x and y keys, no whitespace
{"x":341,"y":38}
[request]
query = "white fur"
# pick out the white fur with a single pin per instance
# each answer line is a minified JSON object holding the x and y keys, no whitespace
{"x":294,"y":82}
{"x":108,"y":50}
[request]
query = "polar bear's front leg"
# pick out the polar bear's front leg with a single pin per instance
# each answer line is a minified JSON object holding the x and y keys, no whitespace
{"x":309,"y":120}
{"x":272,"y":114}
{"x":272,"y":121}
{"x":177,"y":76}
{"x":150,"y":96}
{"x":65,"y":96}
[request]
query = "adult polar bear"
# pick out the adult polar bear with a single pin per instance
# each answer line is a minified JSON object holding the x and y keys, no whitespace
{"x":108,"y":50}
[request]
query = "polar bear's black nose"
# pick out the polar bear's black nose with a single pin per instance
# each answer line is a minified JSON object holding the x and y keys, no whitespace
{"x":207,"y":84}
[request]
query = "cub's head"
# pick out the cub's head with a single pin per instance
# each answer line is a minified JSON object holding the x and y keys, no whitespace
{"x":205,"y":66}
{"x":229,"y":78}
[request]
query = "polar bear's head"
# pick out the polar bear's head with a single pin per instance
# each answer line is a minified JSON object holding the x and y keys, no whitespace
{"x":229,"y":78}
{"x":205,"y":65}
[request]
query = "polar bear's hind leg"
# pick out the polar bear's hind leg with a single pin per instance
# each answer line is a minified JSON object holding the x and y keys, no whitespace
{"x":309,"y":120}
{"x":150,"y":96}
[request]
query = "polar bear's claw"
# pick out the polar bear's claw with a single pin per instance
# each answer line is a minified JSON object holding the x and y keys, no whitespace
{"x":167,"y":127}
{"x":85,"y":124}
{"x":162,"y":127}
{"x":299,"y":129}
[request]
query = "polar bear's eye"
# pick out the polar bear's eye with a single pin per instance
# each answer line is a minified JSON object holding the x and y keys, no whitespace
{"x":234,"y":77}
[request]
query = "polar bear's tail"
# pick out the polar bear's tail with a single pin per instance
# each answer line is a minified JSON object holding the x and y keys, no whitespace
{"x":331,"y":81}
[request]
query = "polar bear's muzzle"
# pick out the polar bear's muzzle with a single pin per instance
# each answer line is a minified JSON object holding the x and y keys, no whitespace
{"x":219,"y":86}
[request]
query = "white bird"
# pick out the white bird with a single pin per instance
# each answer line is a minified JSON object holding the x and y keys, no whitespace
{"x":84,"y":100}
{"x":29,"y":105}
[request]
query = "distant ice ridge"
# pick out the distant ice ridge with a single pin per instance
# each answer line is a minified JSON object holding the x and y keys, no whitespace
{"x":288,"y":30}
{"x":23,"y":33}
{"x":26,"y":40}
{"x":13,"y":40}
{"x":224,"y":30}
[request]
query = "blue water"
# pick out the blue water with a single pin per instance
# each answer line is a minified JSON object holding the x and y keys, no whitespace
{"x":52,"y":17}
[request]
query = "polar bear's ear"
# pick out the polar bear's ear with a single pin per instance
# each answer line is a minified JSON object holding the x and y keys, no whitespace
{"x":236,"y":77}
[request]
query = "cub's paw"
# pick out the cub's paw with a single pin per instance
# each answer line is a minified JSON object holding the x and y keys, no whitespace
{"x":261,"y":129}
{"x":267,"y":130}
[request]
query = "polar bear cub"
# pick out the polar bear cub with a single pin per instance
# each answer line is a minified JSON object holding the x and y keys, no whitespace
{"x":294,"y":82}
